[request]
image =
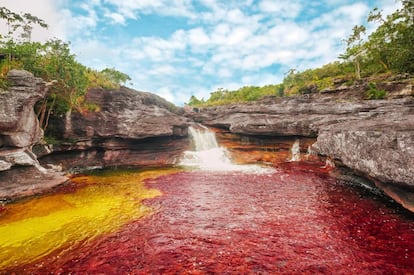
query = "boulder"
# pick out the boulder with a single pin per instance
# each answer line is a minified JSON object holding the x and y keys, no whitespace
{"x":19,"y":126}
{"x":381,"y":149}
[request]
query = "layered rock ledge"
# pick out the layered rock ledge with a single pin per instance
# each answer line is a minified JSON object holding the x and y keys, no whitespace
{"x":373,"y":138}
{"x":20,"y":172}
{"x":126,"y":128}
{"x":130,"y":128}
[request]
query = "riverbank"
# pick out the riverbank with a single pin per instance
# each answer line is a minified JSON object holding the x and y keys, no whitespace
{"x":372,"y":138}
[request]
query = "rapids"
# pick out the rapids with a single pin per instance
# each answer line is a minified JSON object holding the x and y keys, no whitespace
{"x":291,"y":219}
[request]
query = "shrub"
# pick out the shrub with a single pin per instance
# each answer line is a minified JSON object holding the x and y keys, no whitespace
{"x":374,"y":93}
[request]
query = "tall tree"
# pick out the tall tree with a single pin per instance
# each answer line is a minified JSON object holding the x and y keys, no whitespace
{"x":115,"y":76}
{"x":355,"y":48}
{"x":24,"y":22}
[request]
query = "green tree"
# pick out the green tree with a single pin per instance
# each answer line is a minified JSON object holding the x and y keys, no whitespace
{"x":389,"y":47}
{"x":391,"y":44}
{"x":355,"y":49}
{"x":59,"y":65}
{"x":24,"y":22}
{"x":194,"y":101}
{"x":115,"y":76}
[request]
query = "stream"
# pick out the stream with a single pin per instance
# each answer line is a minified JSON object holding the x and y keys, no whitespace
{"x":207,"y":216}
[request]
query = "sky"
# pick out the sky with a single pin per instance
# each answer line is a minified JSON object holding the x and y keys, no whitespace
{"x":179,"y":48}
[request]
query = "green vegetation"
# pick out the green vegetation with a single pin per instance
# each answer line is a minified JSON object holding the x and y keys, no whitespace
{"x":248,"y":93}
{"x":53,"y":141}
{"x":53,"y":62}
{"x":374,"y":93}
{"x":387,"y":50}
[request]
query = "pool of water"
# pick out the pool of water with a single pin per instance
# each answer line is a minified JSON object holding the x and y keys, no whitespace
{"x":296,"y":220}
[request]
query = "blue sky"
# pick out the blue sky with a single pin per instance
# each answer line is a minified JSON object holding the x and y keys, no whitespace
{"x":181,"y":48}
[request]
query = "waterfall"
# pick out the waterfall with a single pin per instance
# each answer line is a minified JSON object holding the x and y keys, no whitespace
{"x":311,"y":153}
{"x":295,"y":151}
{"x":208,"y":155}
{"x":203,"y":138}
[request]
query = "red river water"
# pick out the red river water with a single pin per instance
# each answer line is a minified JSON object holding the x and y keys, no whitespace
{"x":296,"y":220}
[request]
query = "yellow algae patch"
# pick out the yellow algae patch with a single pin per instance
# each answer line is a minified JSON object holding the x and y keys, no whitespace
{"x":34,"y":228}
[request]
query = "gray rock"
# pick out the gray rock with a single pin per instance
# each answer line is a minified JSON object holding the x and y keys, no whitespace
{"x":131,"y":128}
{"x":373,"y":138}
{"x":381,"y":148}
{"x":19,"y":126}
{"x":125,"y":114}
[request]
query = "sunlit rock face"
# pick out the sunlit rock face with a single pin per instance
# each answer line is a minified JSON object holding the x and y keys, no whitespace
{"x":130,"y":128}
{"x":298,"y":116}
{"x":381,"y":148}
{"x":19,"y":126}
{"x":122,"y":113}
{"x":20,"y":172}
{"x":373,"y":138}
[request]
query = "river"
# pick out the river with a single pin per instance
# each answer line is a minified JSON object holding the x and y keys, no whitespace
{"x":204,"y":219}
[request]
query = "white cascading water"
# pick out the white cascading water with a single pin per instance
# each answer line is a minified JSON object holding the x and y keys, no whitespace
{"x":208,"y":155}
{"x":295,"y":151}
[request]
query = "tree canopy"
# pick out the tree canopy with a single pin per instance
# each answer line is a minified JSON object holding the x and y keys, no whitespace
{"x":52,"y":61}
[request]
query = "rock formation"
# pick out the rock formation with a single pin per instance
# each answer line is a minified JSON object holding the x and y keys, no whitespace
{"x":130,"y":128}
{"x":373,"y":138}
{"x":19,"y":126}
{"x":20,"y":172}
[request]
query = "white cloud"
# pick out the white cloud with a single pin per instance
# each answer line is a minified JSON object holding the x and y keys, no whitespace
{"x":198,"y":37}
{"x":225,"y":44}
{"x":165,"y":92}
{"x":162,"y":70}
{"x":48,"y":10}
{"x":281,"y":8}
{"x":132,"y":9}
{"x":116,"y":17}
{"x":261,"y":79}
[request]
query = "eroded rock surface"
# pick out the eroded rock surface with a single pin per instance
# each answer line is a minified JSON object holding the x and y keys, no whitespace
{"x":130,"y":128}
{"x":381,"y":148}
{"x":123,"y":113}
{"x":374,"y":138}
{"x":19,"y":131}
{"x":126,"y":127}
{"x":19,"y":126}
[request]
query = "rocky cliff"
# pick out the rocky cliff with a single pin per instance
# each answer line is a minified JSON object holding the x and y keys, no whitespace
{"x":374,"y":138}
{"x":126,"y":127}
{"x":20,"y":172}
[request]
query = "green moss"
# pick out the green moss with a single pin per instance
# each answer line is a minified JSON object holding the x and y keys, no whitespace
{"x":54,"y":141}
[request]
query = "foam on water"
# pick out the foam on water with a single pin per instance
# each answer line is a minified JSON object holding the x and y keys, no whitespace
{"x":209,"y":156}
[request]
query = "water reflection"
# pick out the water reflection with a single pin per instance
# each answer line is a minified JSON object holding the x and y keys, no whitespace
{"x":94,"y":205}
